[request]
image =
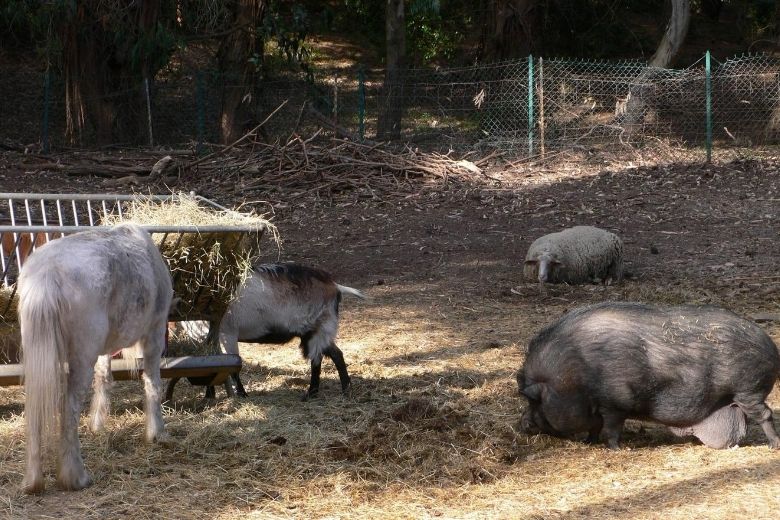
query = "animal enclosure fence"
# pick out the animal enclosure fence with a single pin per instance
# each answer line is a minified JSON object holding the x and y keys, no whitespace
{"x":529,"y":106}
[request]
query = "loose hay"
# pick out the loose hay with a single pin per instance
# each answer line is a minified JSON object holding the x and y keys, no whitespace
{"x":207,"y":267}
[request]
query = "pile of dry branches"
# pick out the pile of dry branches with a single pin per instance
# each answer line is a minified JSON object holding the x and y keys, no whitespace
{"x":327,"y":166}
{"x":316,"y":165}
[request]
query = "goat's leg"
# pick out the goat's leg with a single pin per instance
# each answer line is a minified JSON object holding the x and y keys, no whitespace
{"x":314,"y":384}
{"x":171,"y":386}
{"x":334,"y":353}
{"x":238,"y":385}
{"x":228,"y":344}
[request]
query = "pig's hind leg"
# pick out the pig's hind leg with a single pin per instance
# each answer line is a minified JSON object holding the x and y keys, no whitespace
{"x":762,"y":414}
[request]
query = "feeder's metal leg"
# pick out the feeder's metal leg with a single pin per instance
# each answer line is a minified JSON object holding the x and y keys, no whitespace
{"x":169,"y":390}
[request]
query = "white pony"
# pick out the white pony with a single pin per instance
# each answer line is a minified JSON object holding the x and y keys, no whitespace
{"x":83,"y":297}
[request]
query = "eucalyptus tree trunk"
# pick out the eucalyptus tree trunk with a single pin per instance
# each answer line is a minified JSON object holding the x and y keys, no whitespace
{"x":389,"y":123}
{"x":630,"y":111}
{"x":777,"y":22}
{"x":86,"y":75}
{"x":103,"y":75}
{"x":239,"y":73}
{"x":514,"y":29}
{"x":674,"y":36}
{"x":712,"y":8}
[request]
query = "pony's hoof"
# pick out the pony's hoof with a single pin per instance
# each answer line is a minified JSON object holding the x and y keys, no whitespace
{"x":34,"y":486}
{"x":74,"y":484}
{"x":164,"y":439}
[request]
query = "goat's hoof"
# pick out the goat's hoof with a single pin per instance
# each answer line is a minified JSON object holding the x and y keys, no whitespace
{"x":311,"y":394}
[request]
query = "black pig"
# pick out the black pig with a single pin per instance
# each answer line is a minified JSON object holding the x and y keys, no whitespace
{"x":599,"y":365}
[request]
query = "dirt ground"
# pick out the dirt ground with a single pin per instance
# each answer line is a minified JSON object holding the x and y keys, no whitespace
{"x":431,"y":426}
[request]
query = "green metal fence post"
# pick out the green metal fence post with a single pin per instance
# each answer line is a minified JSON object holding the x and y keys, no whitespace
{"x":200,"y":101}
{"x":361,"y":103}
{"x":708,"y":94}
{"x":530,"y":105}
{"x":45,"y":124}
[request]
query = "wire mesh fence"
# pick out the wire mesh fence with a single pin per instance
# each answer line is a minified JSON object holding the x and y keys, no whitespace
{"x":528,"y":106}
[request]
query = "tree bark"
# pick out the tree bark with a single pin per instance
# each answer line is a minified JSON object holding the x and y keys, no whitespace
{"x":630,"y":111}
{"x":389,"y":123}
{"x":104,"y":77}
{"x":712,"y":8}
{"x":239,"y":74}
{"x":86,"y":76}
{"x":675,"y":34}
{"x":777,"y":22}
{"x":515,"y":29}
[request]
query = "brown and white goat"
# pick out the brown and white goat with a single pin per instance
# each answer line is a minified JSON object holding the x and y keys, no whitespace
{"x":282,"y":301}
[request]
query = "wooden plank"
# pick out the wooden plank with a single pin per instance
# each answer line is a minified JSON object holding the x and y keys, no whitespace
{"x":214,"y":369}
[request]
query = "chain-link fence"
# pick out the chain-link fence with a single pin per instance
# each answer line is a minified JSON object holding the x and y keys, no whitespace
{"x":529,"y":106}
{"x":536,"y":104}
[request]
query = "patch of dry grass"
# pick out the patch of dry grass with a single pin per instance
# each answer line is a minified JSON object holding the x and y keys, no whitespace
{"x":430,"y":430}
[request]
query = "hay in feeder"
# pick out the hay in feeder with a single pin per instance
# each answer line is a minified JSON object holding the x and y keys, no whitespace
{"x":8,"y":302}
{"x":207,"y":266}
{"x":10,"y":343}
{"x":192,"y":338}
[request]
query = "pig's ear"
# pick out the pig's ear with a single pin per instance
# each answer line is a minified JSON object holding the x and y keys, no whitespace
{"x":533,"y":392}
{"x":531,"y":262}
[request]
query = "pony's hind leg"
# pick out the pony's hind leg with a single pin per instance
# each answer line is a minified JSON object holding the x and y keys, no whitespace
{"x":101,"y":385}
{"x":153,"y":346}
{"x":72,"y":474}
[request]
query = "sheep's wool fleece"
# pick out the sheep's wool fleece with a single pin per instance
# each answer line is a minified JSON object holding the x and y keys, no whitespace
{"x":586,"y":252}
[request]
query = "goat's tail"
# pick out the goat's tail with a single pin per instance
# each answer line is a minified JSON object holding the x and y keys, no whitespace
{"x":343,"y":289}
{"x":41,"y":305}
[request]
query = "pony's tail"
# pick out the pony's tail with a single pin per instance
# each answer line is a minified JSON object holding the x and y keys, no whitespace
{"x":41,"y":302}
{"x":133,"y":355}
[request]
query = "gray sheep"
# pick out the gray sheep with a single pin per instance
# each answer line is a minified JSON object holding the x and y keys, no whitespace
{"x":575,"y":255}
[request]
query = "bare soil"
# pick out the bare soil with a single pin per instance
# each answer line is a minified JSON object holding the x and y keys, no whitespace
{"x":431,"y":426}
